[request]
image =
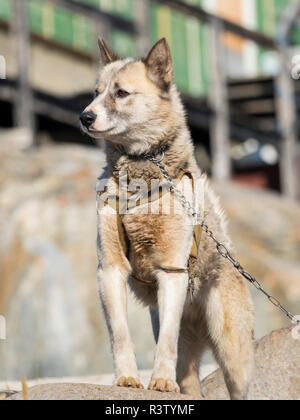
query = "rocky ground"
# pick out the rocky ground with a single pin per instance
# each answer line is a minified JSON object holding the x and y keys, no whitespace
{"x":277,"y":377}
{"x":106,"y":379}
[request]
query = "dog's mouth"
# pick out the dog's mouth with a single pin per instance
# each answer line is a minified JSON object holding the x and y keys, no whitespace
{"x":94,"y":133}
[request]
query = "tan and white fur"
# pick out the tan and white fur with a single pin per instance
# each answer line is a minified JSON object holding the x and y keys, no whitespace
{"x":138,"y":110}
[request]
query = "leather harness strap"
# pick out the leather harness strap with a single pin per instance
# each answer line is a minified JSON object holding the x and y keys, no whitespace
{"x":153,"y":196}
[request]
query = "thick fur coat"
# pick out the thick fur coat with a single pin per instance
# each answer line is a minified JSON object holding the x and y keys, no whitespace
{"x":138,"y":110}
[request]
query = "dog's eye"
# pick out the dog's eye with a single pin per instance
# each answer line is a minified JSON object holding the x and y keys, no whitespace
{"x":122,"y":93}
{"x":96,"y":94}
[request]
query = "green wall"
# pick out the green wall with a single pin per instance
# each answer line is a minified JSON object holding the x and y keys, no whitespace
{"x":188,"y":38}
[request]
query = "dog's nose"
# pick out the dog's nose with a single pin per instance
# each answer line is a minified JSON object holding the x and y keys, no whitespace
{"x":88,"y":118}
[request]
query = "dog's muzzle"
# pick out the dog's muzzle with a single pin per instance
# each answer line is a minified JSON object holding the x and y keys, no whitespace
{"x":88,"y":118}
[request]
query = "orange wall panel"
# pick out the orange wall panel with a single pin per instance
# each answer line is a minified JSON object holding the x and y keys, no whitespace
{"x":232,"y":10}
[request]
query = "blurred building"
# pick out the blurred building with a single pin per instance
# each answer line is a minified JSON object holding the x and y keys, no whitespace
{"x":64,"y":59}
{"x":186,"y":35}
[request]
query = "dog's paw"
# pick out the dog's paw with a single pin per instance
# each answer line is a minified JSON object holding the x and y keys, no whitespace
{"x":128,"y":383}
{"x":163,"y":385}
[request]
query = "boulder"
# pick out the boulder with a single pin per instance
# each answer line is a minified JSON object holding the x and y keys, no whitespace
{"x":265,"y":231}
{"x":94,"y":392}
{"x":276,"y":377}
{"x":277,"y":371}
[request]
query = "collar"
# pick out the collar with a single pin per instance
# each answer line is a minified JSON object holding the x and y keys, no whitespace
{"x":158,"y":154}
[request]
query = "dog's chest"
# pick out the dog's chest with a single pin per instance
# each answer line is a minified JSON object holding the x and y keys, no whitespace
{"x":155,"y":229}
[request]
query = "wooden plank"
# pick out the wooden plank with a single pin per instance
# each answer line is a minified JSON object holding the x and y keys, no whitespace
{"x":63,"y":26}
{"x":251,"y":91}
{"x":43,"y":105}
{"x":5,"y":9}
{"x":95,"y":13}
{"x":85,"y":34}
{"x":23,"y":101}
{"x":142,"y":19}
{"x":229,"y":26}
{"x":180,"y":50}
{"x":287,"y":115}
{"x":36,"y":16}
{"x":194,"y":57}
{"x":220,"y":120}
{"x":257,"y":106}
{"x":287,"y":107}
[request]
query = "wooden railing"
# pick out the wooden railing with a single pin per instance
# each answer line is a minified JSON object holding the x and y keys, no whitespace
{"x":227,"y":25}
{"x":106,"y":21}
{"x":218,"y":97}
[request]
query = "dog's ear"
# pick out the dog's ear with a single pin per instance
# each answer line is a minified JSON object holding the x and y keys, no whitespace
{"x":107,"y":54}
{"x":160,"y":65}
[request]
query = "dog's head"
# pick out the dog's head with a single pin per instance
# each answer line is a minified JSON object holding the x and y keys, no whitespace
{"x":133,"y":105}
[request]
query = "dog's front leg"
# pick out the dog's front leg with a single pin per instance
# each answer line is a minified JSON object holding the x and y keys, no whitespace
{"x":112,"y":287}
{"x":171,"y":299}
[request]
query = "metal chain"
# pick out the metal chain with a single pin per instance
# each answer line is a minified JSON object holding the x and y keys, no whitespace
{"x":221,"y":248}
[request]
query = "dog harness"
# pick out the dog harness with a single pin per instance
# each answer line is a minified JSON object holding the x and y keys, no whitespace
{"x":153,"y":196}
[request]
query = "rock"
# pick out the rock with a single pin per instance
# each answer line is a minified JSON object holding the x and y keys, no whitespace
{"x":94,"y":392}
{"x":277,"y":372}
{"x":106,"y":379}
{"x":277,"y":377}
{"x":18,"y":139}
{"x":265,"y":231}
{"x":48,"y":262}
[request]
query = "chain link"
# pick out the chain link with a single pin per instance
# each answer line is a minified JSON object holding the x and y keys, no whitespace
{"x":221,"y":248}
